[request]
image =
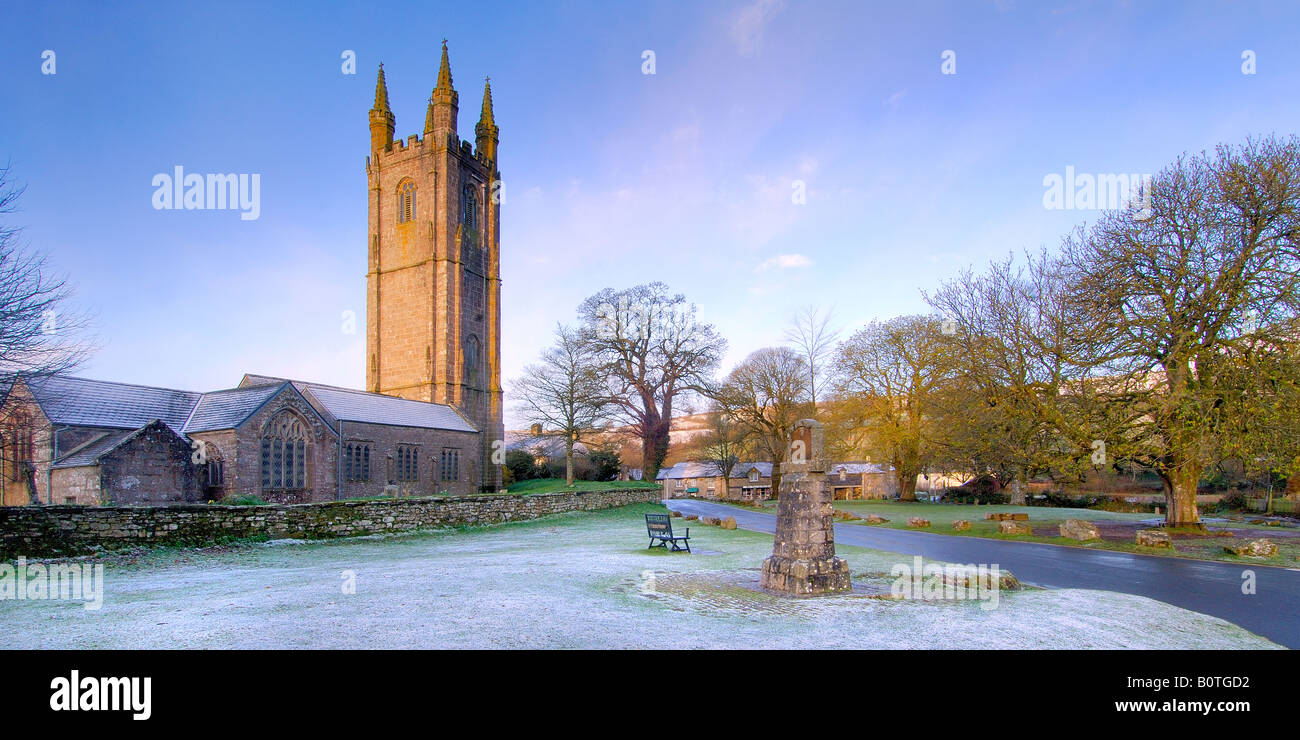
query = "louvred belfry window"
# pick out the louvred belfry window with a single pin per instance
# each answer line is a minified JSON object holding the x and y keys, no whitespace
{"x":406,"y":202}
{"x":468,"y":207}
{"x":284,"y":453}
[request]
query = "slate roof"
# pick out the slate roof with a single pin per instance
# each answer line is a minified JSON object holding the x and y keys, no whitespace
{"x":88,"y":453}
{"x":229,"y":408}
{"x":91,"y":452}
{"x":374,"y":408}
{"x":853,"y":468}
{"x":550,"y":445}
{"x":691,"y":470}
{"x":97,"y":403}
{"x":741,"y":469}
{"x":348,"y":404}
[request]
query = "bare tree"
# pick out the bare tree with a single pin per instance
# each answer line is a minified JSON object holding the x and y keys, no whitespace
{"x":563,"y":391}
{"x":1158,"y":334}
{"x":1159,"y":298}
{"x":650,"y":349}
{"x":810,"y":333}
{"x":767,"y":394}
{"x":38,"y":334}
{"x":1013,"y":408}
{"x":722,"y":443}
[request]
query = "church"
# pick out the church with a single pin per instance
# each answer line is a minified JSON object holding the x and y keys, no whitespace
{"x":429,"y":421}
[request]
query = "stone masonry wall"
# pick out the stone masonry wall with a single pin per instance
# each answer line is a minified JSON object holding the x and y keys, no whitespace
{"x":52,"y":531}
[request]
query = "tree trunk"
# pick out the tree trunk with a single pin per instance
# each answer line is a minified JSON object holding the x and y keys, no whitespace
{"x":906,"y":484}
{"x":654,"y":446}
{"x":1017,"y":487}
{"x":906,"y":480}
{"x":1180,"y":495}
{"x":568,"y":462}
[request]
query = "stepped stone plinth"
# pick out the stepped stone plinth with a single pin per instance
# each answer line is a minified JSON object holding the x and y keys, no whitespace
{"x":803,"y":561}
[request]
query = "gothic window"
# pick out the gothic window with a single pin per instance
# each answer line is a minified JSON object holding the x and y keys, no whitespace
{"x":449,"y":469}
{"x":405,"y":202}
{"x":212,"y":473}
{"x":284,"y":453}
{"x":215,"y":474}
{"x":471,"y":360}
{"x":19,"y":441}
{"x":468,"y":207}
{"x":408,"y":463}
{"x":753,"y":475}
{"x":356,"y":461}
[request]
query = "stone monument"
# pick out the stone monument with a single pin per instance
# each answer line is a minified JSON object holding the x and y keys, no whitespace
{"x":803,"y":561}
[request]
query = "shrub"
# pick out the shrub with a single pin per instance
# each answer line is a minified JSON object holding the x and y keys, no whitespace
{"x":605,"y":465}
{"x":1060,"y":499}
{"x":243,"y":499}
{"x":520,"y":464}
{"x":982,"y":490}
{"x":1233,"y":501}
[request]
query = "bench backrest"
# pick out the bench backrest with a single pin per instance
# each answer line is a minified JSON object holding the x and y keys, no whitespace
{"x":659,"y":524}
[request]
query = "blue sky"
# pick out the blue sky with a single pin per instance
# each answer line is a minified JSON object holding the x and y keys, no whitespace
{"x":613,"y":177}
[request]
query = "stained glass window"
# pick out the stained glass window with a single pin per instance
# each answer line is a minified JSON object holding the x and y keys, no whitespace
{"x":284,"y":453}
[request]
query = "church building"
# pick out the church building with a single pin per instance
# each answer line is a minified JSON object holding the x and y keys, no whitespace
{"x":429,"y":420}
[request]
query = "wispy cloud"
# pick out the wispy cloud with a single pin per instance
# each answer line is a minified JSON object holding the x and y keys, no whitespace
{"x":750,"y":22}
{"x":783,"y":262}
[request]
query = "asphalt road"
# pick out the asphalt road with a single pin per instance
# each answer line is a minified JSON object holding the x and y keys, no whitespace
{"x":1273,"y":611}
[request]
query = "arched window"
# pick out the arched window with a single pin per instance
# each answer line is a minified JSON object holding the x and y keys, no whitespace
{"x":471,"y":359}
{"x":284,"y":453}
{"x":212,"y":470}
{"x":468,"y":206}
{"x":405,"y":202}
{"x":753,"y":475}
{"x":19,"y":441}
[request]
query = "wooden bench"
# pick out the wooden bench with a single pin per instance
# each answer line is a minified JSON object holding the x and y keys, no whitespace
{"x":660,"y":527}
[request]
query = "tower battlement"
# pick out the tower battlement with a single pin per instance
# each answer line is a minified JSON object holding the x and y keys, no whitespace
{"x":433,"y":287}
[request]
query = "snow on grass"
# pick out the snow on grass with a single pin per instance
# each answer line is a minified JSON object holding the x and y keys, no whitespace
{"x":582,"y":580}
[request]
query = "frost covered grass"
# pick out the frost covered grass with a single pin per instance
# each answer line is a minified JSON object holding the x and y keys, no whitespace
{"x":555,"y":485}
{"x":580,"y":580}
{"x":945,"y":514}
{"x":1044,"y":521}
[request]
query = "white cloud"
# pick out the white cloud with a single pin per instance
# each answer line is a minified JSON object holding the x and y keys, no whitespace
{"x":783,"y":262}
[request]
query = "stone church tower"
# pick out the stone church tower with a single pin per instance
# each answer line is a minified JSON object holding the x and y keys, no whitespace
{"x":433,"y":281}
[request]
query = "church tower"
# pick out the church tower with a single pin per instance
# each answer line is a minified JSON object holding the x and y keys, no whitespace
{"x":433,"y":279}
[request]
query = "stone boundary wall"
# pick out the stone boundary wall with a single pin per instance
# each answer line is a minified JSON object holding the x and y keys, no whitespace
{"x":59,"y":531}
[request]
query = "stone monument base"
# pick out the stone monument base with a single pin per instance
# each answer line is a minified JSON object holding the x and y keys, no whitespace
{"x":806,"y":577}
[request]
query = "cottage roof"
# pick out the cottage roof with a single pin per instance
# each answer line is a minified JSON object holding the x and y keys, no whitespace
{"x":550,"y":445}
{"x":741,"y":469}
